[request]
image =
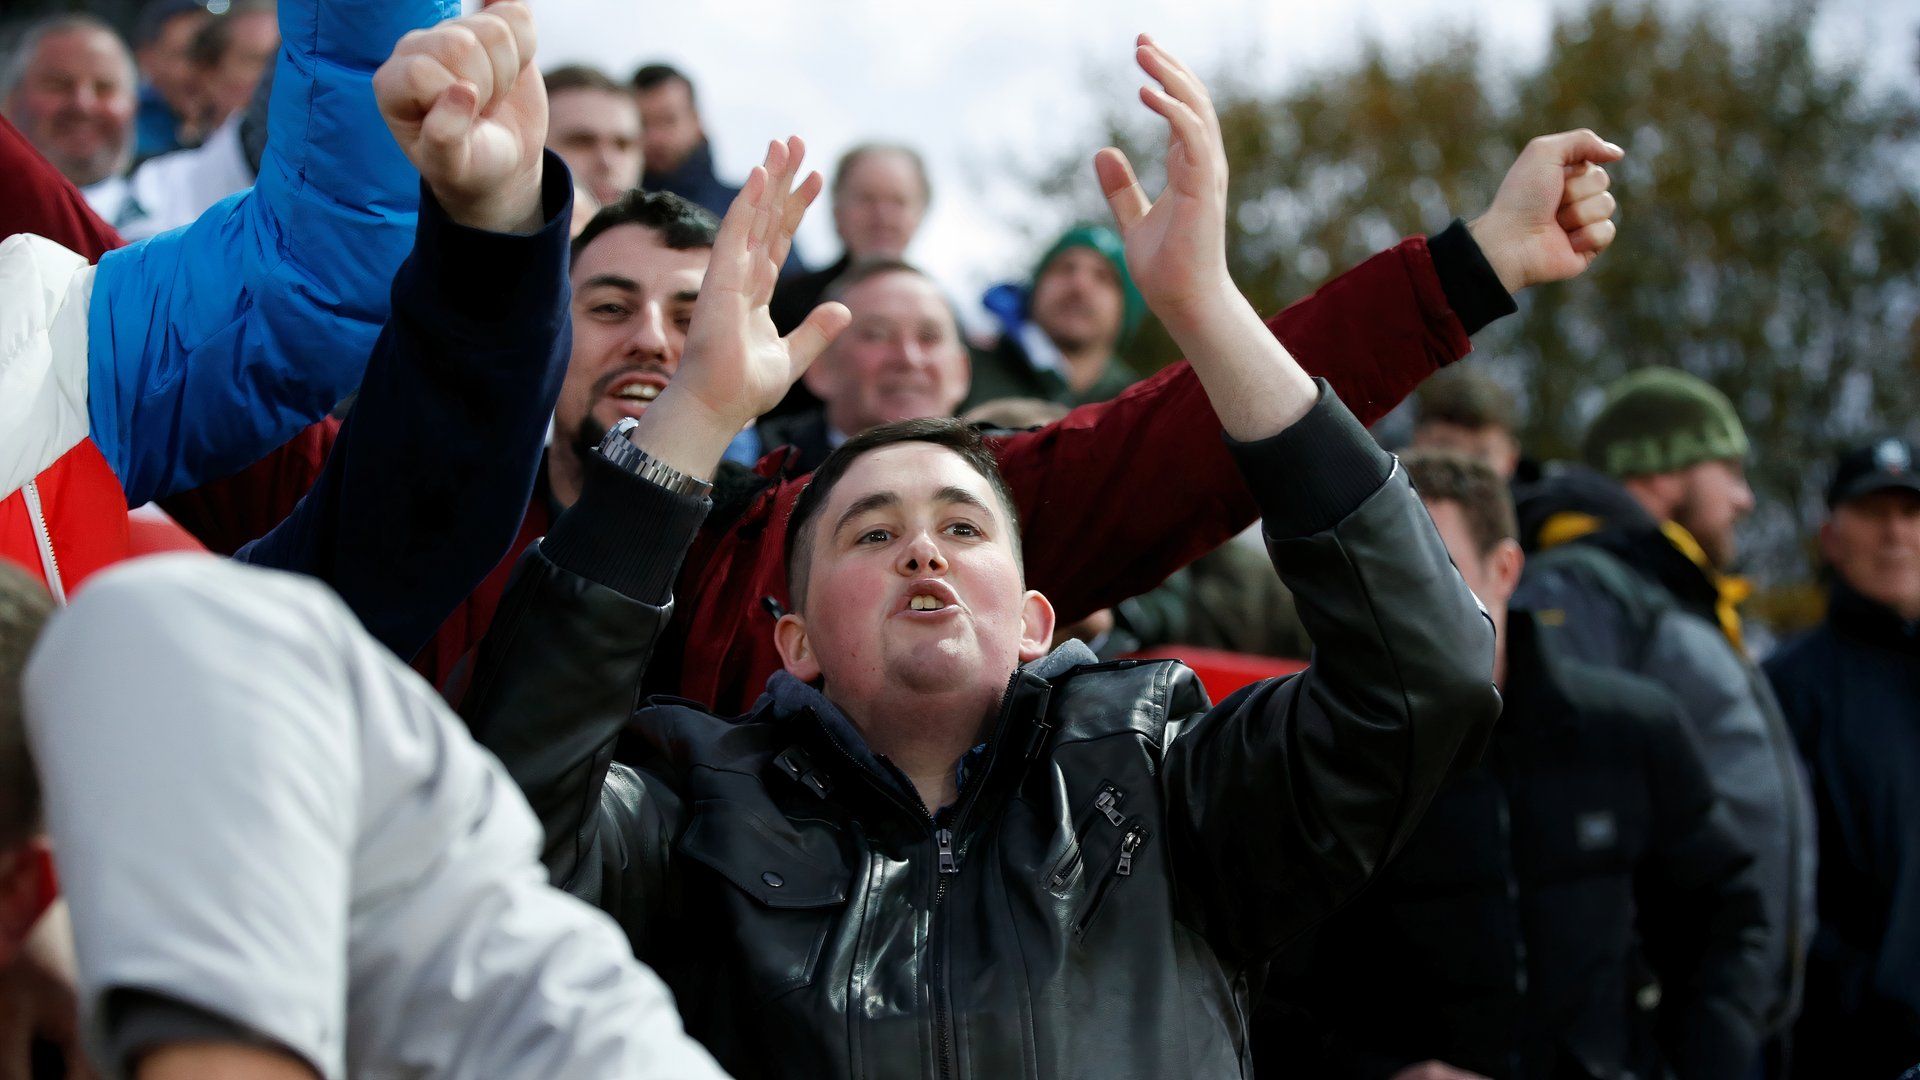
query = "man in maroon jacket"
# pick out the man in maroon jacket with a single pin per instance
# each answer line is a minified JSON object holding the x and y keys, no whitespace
{"x":1374,"y":333}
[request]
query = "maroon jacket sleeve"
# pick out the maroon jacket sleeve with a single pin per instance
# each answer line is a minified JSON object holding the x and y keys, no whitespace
{"x":1113,"y":498}
{"x":35,"y":198}
{"x":226,"y":514}
{"x":1117,"y":495}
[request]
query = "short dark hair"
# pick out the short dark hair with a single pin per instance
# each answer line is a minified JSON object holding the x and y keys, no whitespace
{"x":157,"y":14}
{"x":1465,"y":397}
{"x":568,"y":77}
{"x":24,"y":608}
{"x":682,"y":225}
{"x":853,"y":157}
{"x":652,"y":75}
{"x":954,"y":434}
{"x":1472,"y":485}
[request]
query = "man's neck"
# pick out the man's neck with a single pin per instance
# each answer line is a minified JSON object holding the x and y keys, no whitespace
{"x":1085,"y":364}
{"x":927,"y":740}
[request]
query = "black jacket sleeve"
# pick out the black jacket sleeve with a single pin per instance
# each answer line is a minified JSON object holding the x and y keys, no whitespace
{"x":1290,"y":794}
{"x":559,"y":673}
{"x":423,"y":492}
{"x":1700,"y":914}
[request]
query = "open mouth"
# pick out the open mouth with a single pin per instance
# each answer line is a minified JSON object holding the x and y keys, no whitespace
{"x":930,"y":595}
{"x":639,"y":388}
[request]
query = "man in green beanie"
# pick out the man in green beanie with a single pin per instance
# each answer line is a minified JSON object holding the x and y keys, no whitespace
{"x":1063,"y":331}
{"x":1630,"y":573}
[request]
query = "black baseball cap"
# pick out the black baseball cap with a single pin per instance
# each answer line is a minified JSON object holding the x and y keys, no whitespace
{"x":1877,"y":466}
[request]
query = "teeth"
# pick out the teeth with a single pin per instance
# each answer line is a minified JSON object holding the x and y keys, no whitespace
{"x":926,"y":603}
{"x":639,"y":392}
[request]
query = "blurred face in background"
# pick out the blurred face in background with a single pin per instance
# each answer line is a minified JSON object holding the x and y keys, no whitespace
{"x":1873,"y":543}
{"x":877,"y":205}
{"x":228,"y":84}
{"x":1078,"y":302}
{"x":164,"y":63}
{"x":597,"y":133}
{"x":671,"y":124}
{"x":1713,"y":499}
{"x":901,"y":359}
{"x":75,"y":103}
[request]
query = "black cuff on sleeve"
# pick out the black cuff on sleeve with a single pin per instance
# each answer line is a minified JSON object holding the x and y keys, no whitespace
{"x":490,"y":278}
{"x":626,"y":533}
{"x":1309,"y":477}
{"x":1473,"y":290}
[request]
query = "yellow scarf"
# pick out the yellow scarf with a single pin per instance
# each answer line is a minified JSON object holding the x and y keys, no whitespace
{"x":1731,"y":590}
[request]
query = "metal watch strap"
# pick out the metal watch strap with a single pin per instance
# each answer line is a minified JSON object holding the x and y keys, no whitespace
{"x":618,"y":449}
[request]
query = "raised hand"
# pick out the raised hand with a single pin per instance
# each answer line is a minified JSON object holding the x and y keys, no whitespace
{"x":736,"y":366}
{"x":1552,"y":215}
{"x":469,"y":109}
{"x":1176,"y":245}
{"x":1177,"y":253}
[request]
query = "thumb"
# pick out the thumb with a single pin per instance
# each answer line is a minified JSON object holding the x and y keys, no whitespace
{"x":1574,"y":147}
{"x":444,"y":130}
{"x":812,"y":337}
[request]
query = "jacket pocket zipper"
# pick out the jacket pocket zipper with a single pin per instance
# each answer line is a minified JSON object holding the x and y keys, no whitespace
{"x":1106,"y":803}
{"x":43,"y":537}
{"x":1130,"y":844}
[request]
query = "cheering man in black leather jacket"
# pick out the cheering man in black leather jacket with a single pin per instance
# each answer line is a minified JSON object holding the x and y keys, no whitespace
{"x":934,"y":848}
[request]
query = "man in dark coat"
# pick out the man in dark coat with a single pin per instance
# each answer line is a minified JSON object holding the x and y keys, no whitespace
{"x":936,"y":843}
{"x":1851,"y":692}
{"x":1630,"y":573}
{"x":1507,"y":939}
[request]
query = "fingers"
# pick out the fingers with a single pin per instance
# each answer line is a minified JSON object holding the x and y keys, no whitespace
{"x":1584,"y":180}
{"x":502,"y":52}
{"x":1573,"y":147}
{"x":812,"y":337}
{"x":727,"y":269}
{"x":407,"y":87}
{"x":796,"y":211}
{"x":1593,"y":239}
{"x":443,"y":133}
{"x":1577,"y":215}
{"x":487,"y":50}
{"x":1125,"y":197}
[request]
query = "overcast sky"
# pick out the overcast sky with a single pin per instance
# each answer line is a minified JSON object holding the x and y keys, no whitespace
{"x":980,"y":84}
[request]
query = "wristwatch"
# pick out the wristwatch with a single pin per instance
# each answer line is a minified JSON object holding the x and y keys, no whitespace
{"x":617,"y":449}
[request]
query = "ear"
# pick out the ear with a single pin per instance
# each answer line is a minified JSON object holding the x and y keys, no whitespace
{"x":1036,"y":627}
{"x":27,"y":888}
{"x":1827,"y":542}
{"x":1505,"y":562}
{"x":796,"y":649}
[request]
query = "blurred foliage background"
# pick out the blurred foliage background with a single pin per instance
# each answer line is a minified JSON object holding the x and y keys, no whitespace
{"x":1769,"y":222}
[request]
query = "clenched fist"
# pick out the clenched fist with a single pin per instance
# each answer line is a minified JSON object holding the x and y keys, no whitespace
{"x":469,"y":109}
{"x":1552,"y":215}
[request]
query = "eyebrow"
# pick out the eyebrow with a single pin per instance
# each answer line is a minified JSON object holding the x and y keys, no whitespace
{"x":964,"y":497}
{"x":614,"y":281}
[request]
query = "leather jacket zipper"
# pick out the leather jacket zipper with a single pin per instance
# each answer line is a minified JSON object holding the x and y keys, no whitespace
{"x":1107,"y":804}
{"x":1131,"y":842}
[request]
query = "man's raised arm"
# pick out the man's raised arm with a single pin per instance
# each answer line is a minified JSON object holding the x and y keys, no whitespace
{"x":560,"y":669}
{"x":211,"y":345}
{"x":1292,"y":792}
{"x":1374,"y":333}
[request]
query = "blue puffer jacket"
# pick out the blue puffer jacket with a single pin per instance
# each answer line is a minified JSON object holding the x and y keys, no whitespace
{"x":213,"y":344}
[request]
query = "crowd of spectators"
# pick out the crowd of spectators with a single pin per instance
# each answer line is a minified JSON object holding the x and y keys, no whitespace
{"x":481,"y":408}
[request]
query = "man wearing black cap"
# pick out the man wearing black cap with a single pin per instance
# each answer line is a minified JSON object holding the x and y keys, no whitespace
{"x":1851,"y":692}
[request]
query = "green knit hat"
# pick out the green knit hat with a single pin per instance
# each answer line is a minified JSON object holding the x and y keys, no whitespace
{"x":1107,"y":243}
{"x":1659,"y":420}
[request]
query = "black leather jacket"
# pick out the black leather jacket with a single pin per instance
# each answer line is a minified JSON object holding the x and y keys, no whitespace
{"x":1123,"y":858}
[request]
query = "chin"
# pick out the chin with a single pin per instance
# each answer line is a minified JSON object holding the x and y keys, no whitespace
{"x":935,"y":667}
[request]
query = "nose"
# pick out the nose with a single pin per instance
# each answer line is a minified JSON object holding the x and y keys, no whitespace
{"x":649,"y":340}
{"x":1743,"y":501}
{"x":921,"y":556}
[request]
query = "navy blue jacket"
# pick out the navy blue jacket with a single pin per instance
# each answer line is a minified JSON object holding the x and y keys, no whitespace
{"x":1851,"y":692}
{"x":424,"y":489}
